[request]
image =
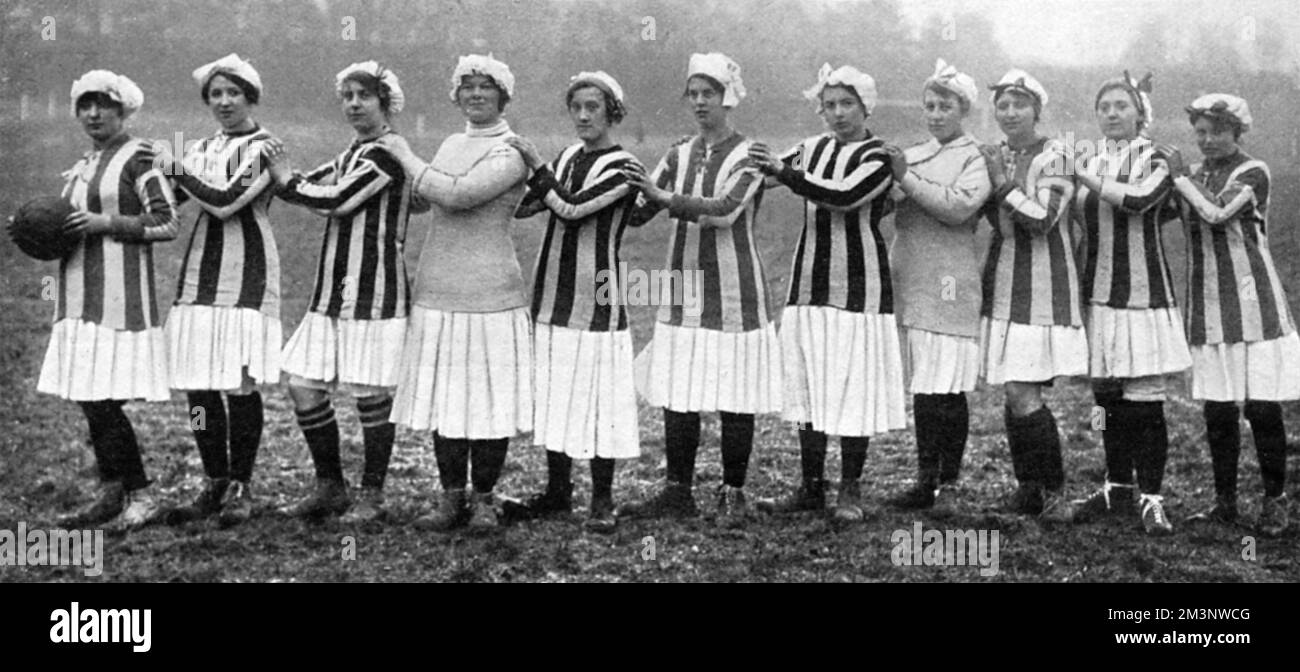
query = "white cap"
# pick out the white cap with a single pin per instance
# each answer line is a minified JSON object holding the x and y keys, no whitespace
{"x":477,"y":64}
{"x":1019,"y":80}
{"x":232,"y":64}
{"x":118,"y":87}
{"x":721,"y":69}
{"x":960,"y":83}
{"x":845,"y":75}
{"x":396,"y":99}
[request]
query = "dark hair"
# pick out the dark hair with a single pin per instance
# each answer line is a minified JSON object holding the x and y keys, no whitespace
{"x":503,"y":96}
{"x":1218,"y":122}
{"x":947,"y":93}
{"x":250,"y":92}
{"x":614,"y":110}
{"x":713,"y":83}
{"x":1033,"y":98}
{"x":103,"y":99}
{"x":1111,"y":85}
{"x":374,"y":86}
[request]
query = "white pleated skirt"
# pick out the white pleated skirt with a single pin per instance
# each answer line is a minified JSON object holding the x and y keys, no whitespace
{"x":935,"y":363}
{"x":333,"y":351}
{"x":1136,"y":343}
{"x":1030,"y":353}
{"x":690,"y":369}
{"x":1262,"y":370}
{"x":211,"y":347}
{"x":585,"y":403}
{"x":90,"y":362}
{"x":843,"y":370}
{"x":467,"y":375}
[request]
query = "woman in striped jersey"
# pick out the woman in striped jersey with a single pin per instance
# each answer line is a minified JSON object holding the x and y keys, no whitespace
{"x":353,"y":331}
{"x":1031,"y":326}
{"x":842,"y":370}
{"x":224,"y":331}
{"x":1244,"y":342}
{"x":1135,"y":331}
{"x":107,"y":346}
{"x":583,"y":408}
{"x":941,"y":187}
{"x":714,"y":348}
{"x":467,"y":367}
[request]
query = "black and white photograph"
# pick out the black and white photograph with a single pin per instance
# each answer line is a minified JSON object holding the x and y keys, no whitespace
{"x":652,"y":291}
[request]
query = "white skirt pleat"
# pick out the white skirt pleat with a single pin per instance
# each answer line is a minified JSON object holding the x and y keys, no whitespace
{"x":345,"y":352}
{"x":1136,"y":343}
{"x":690,"y":369}
{"x":90,"y":362}
{"x":936,"y":363}
{"x":1031,"y":353}
{"x":209,"y":347}
{"x":1262,"y":370}
{"x":585,"y":402}
{"x":843,"y":370}
{"x":467,"y":375}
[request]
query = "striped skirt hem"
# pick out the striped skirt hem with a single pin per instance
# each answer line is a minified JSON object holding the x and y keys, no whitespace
{"x":843,"y":371}
{"x":467,"y":375}
{"x":585,"y":406}
{"x":337,"y":351}
{"x":690,"y":369}
{"x":1030,"y":353}
{"x":90,"y":362}
{"x":1261,"y":370}
{"x":222,"y":347}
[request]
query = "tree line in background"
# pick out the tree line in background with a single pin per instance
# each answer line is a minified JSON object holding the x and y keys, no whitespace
{"x":298,"y":45}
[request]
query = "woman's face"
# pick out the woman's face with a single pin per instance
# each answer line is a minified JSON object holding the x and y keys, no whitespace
{"x":479,"y":99}
{"x":943,"y":114}
{"x":1214,"y":144}
{"x":706,"y":103}
{"x":361,"y":108}
{"x":229,"y":106}
{"x":843,"y":113}
{"x":1117,"y":116}
{"x":1014,"y":112}
{"x":587,"y":111}
{"x":102,"y":121}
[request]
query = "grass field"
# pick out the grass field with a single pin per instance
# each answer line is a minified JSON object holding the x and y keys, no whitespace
{"x":46,"y":465}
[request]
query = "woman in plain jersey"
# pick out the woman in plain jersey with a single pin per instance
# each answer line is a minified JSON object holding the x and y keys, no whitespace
{"x":1135,"y":331}
{"x":224,"y":332}
{"x":1245,"y":349}
{"x":839,"y":341}
{"x":721,"y":352}
{"x":584,"y":407}
{"x":467,"y":369}
{"x":1032,"y":325}
{"x":942,"y":185}
{"x":107,"y":346}
{"x":351,"y":336}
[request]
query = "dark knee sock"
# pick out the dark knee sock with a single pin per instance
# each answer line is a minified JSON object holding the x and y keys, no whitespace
{"x":487,"y":457}
{"x":853,"y":456}
{"x":1040,"y":447}
{"x":453,"y":461}
{"x":1151,"y":451}
{"x":681,"y":442}
{"x":1116,"y":435}
{"x":207,"y":417}
{"x":602,"y":478}
{"x":559,"y":473}
{"x":1223,"y":431}
{"x":929,"y":438}
{"x":812,"y":455}
{"x":117,"y":453}
{"x":954,"y":417}
{"x":737,"y":444}
{"x":1270,"y":443}
{"x":246,"y":419}
{"x":378,"y":434}
{"x":322,"y":433}
{"x":1017,"y":442}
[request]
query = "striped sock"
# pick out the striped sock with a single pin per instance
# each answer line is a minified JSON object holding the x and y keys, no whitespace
{"x":379,"y":434}
{"x":322,"y":433}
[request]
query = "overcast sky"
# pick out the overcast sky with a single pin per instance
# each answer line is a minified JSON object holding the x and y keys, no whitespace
{"x":1096,"y":31}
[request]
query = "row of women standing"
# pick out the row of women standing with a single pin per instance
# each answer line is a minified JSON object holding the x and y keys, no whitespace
{"x":475,"y":360}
